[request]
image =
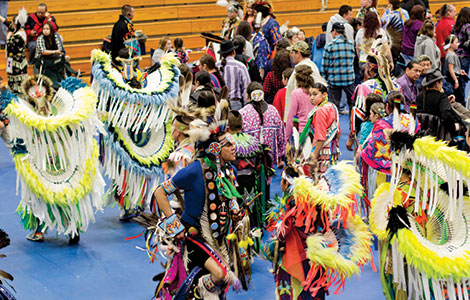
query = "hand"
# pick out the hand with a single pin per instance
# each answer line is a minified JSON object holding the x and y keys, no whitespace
{"x":47,"y":14}
{"x":451,"y":98}
{"x":392,"y":66}
{"x":463,"y":73}
{"x":349,"y":144}
{"x":33,"y":33}
{"x":456,"y":85}
{"x":181,"y":236}
{"x":457,"y":127}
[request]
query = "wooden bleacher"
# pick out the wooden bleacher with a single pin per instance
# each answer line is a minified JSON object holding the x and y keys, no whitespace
{"x":84,"y":24}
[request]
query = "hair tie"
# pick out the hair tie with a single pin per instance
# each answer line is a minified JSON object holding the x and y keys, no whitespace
{"x":397,"y":100}
{"x":257,"y":95}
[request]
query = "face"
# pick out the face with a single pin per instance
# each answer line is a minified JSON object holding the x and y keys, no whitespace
{"x":316,"y":96}
{"x":426,"y":65}
{"x":168,"y":45}
{"x":301,"y":36}
{"x":452,"y":12}
{"x":295,"y":38}
{"x":41,"y":12}
{"x":174,"y":131}
{"x":366,"y":3}
{"x":227,"y":152}
{"x":295,"y":56}
{"x":414,"y":73}
{"x":455,"y":44}
{"x":130,"y":14}
{"x":249,"y":10}
{"x":46,"y":30}
{"x":374,"y":117}
{"x":231,"y":15}
{"x":349,"y":16}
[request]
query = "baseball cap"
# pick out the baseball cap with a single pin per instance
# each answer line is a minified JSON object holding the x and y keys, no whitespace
{"x":299,"y":46}
{"x":339,"y":27}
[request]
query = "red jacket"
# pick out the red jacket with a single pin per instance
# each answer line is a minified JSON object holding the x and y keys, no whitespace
{"x":34,"y":23}
{"x":443,"y":29}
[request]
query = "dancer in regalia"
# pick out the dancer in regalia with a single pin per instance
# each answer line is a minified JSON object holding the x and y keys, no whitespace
{"x":56,"y":156}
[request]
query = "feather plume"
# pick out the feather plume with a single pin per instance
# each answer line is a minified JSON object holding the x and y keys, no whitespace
{"x":295,"y":135}
{"x":307,"y":149}
{"x":22,"y":17}
{"x":394,"y":30}
{"x":222,"y":3}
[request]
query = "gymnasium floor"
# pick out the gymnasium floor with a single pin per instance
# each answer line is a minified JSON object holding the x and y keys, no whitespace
{"x":106,"y":266}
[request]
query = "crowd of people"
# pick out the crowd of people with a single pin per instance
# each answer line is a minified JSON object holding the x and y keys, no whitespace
{"x":266,"y":97}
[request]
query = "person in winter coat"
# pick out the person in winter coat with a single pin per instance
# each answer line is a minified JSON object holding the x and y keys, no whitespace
{"x":425,"y":45}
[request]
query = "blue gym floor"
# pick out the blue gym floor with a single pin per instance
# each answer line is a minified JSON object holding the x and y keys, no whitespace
{"x":106,"y":266}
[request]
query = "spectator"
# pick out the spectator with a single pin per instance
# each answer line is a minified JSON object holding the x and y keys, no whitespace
{"x":17,"y":65}
{"x":250,"y":13}
{"x":366,"y":7}
{"x":3,"y":27}
{"x":180,"y":51}
{"x":270,"y":27}
{"x":292,"y":35}
{"x":123,"y":33}
{"x":425,"y":45}
{"x":408,"y":83}
{"x":203,"y":83}
{"x":462,"y":31}
{"x":262,"y":121}
{"x":410,"y":32}
{"x":454,"y":71}
{"x":300,"y":55}
{"x":50,"y":54}
{"x":434,"y":102}
{"x":163,"y":48}
{"x":34,"y":26}
{"x":273,"y":81}
{"x":437,"y":16}
{"x":444,"y":28}
{"x":301,"y":35}
{"x":282,"y":44}
{"x":409,"y":4}
{"x":425,"y":63}
{"x":319,"y":46}
{"x":369,"y":32}
{"x":394,"y":11}
{"x":300,"y":100}
{"x":338,"y":66}
{"x":229,"y":24}
{"x":235,"y":75}
{"x":280,"y":98}
{"x":344,"y":16}
{"x":262,"y":51}
{"x":244,"y":29}
{"x":207,"y":63}
{"x":239,"y":44}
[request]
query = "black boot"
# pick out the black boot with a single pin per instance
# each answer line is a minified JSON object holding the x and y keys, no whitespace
{"x":74,"y":240}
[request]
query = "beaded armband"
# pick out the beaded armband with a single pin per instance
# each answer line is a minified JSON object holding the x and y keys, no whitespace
{"x":171,"y":225}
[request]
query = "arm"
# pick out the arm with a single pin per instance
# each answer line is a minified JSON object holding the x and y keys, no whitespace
{"x":162,"y":201}
{"x":452,"y":74}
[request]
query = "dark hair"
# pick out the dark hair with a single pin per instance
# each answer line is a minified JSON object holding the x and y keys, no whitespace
{"x":395,"y":4}
{"x":264,"y":10}
{"x":287,"y":73}
{"x":462,"y":19}
{"x":371,"y":99}
{"x":320,"y":86}
{"x":49,"y":41}
{"x":344,"y":9}
{"x":373,"y":60}
{"x":394,"y":95}
{"x":126,"y":8}
{"x":291,"y":172}
{"x":427,"y":29}
{"x":244,"y":29}
{"x":253,"y":86}
{"x":371,"y":25}
{"x":282,"y":44}
{"x":204,"y":79}
{"x":206,"y":99}
{"x":303,"y":76}
{"x":43,"y":5}
{"x":210,"y":62}
{"x":178,"y":43}
{"x":239,"y":43}
{"x":235,"y":121}
{"x":416,"y":13}
{"x":412,"y":62}
{"x":445,"y":9}
{"x":281,"y":62}
{"x":324,"y":26}
{"x":123,"y":53}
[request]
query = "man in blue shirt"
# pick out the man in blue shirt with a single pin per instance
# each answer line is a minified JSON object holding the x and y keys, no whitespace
{"x":338,"y":66}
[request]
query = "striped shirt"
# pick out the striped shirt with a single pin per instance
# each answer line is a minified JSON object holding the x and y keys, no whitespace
{"x":338,"y":62}
{"x":236,"y":77}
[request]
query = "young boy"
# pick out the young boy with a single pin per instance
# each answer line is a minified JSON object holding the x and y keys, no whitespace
{"x":280,"y":97}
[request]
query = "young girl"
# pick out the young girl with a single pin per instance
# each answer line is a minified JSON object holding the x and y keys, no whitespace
{"x":454,"y":71}
{"x":180,"y":50}
{"x":280,"y":98}
{"x":376,"y":112}
{"x":323,"y":127}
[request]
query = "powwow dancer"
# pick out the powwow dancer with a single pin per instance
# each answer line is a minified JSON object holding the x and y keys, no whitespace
{"x":214,"y":230}
{"x":421,"y":220}
{"x":56,"y":156}
{"x":138,"y":132}
{"x":318,"y":241}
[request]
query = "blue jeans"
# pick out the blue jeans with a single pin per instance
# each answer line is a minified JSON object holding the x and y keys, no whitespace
{"x":3,"y":28}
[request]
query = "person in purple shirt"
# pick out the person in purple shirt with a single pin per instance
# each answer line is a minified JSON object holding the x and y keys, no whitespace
{"x":408,"y":83}
{"x":410,"y":32}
